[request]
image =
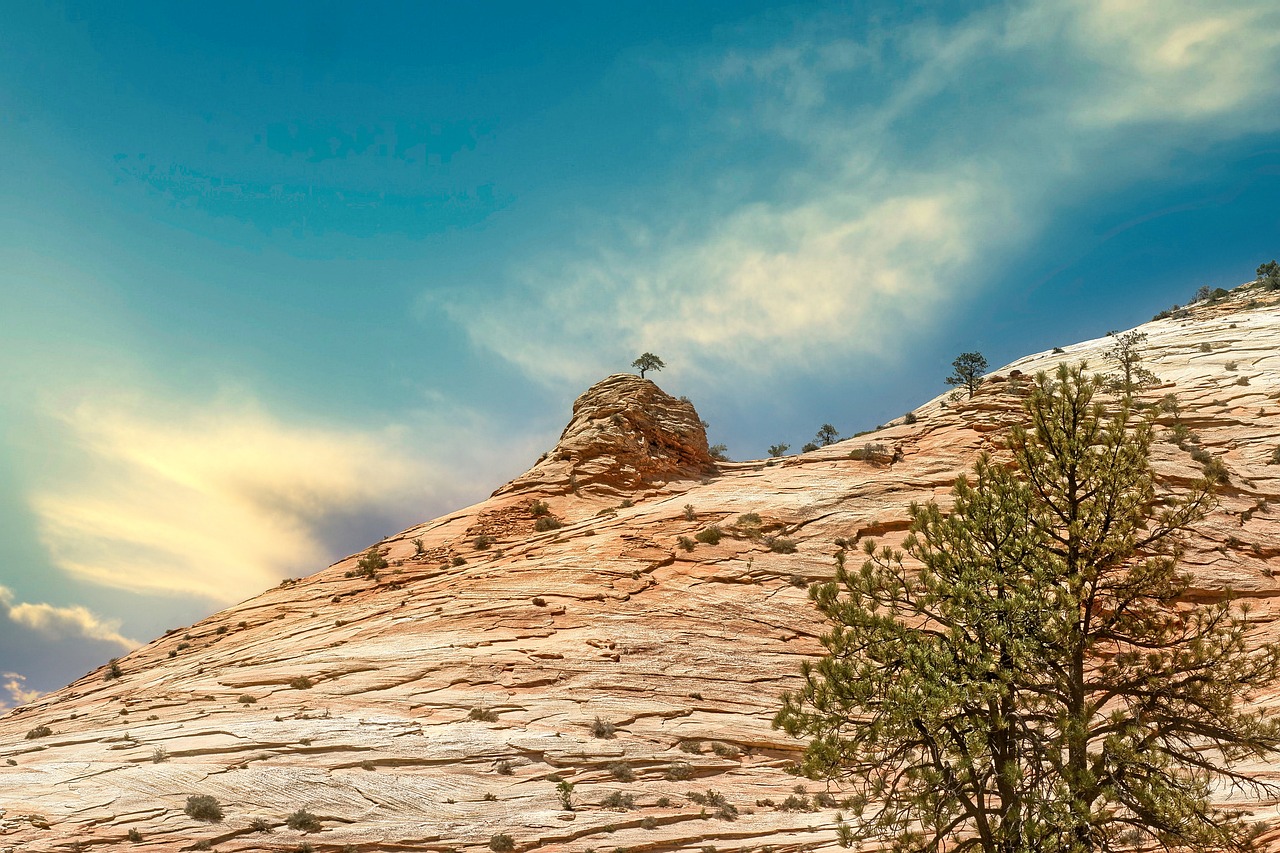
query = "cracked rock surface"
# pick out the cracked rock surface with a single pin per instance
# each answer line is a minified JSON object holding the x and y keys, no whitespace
{"x":439,"y":704}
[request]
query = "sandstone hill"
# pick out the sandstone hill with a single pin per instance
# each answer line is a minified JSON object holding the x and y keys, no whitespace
{"x":561,"y":632}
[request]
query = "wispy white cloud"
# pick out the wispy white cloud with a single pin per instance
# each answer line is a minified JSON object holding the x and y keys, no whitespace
{"x":920,"y":155}
{"x":218,"y":499}
{"x":59,"y":623}
{"x":15,"y":686}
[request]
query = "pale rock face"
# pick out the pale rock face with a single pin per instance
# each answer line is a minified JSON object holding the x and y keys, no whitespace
{"x":448,"y":695}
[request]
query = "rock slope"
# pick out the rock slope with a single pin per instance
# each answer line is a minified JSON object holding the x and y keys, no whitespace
{"x":562,"y":633}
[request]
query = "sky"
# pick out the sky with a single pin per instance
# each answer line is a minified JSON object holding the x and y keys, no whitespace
{"x":280,"y":279}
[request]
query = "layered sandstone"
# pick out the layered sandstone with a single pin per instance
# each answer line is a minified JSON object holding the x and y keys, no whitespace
{"x":438,"y":705}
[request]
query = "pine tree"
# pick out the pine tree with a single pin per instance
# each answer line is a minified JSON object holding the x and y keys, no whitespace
{"x":1030,"y":682}
{"x":1127,"y":354}
{"x":967,"y":371}
{"x":647,"y":361}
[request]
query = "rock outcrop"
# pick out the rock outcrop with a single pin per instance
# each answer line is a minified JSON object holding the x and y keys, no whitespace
{"x":626,"y":435}
{"x":555,"y":634}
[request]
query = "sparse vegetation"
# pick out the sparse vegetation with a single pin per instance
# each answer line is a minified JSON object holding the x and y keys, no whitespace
{"x":246,"y":699}
{"x":419,"y":550}
{"x":678,"y":771}
{"x":502,"y":767}
{"x":113,"y":670}
{"x":502,"y":843}
{"x":719,"y":452}
{"x":458,"y":561}
{"x":547,"y":522}
{"x":539,"y":508}
{"x":564,"y":790}
{"x":693,"y":747}
{"x":723,"y":808}
{"x":1127,"y":354}
{"x":1269,"y":275}
{"x":967,"y":370}
{"x":776,"y":450}
{"x":134,"y":835}
{"x":539,"y":601}
{"x":39,"y":731}
{"x":622,"y":771}
{"x":159,"y":755}
{"x":688,"y":513}
{"x":781,"y":545}
{"x":203,"y":807}
{"x":260,"y":824}
{"x":603,"y":729}
{"x":826,"y":435}
{"x":618,"y":800}
{"x":482,"y":714}
{"x":686,"y":543}
{"x":725,"y":750}
{"x":910,"y":418}
{"x":647,"y":361}
{"x":303,"y":821}
{"x":710,"y":535}
{"x":798,"y":581}
{"x":370,"y":564}
{"x":301,"y":683}
{"x":483,"y":542}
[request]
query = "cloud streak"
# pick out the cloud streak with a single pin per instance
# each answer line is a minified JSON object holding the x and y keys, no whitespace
{"x":15,"y":686}
{"x":217,"y":500}
{"x":59,"y":623}
{"x":918,"y":157}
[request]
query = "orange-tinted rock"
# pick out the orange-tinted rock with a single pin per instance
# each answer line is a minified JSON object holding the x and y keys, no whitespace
{"x":448,"y":695}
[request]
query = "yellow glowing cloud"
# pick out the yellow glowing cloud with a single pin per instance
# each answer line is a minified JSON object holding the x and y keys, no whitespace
{"x":15,"y":685}
{"x":60,"y":622}
{"x":220,"y":500}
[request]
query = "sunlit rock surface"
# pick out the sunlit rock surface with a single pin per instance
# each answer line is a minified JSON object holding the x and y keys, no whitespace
{"x":437,"y":706}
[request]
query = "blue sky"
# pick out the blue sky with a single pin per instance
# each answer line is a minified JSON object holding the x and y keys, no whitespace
{"x":279,"y":279}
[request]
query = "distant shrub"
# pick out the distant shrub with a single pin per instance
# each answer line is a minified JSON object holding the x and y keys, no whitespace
{"x":1215,"y":471}
{"x":719,"y":452}
{"x":798,"y":581}
{"x":603,"y":729}
{"x":724,"y":809}
{"x":159,"y":755}
{"x":678,"y":771}
{"x":725,"y":750}
{"x":622,"y":771}
{"x":419,"y":549}
{"x":502,"y":843}
{"x":649,"y":822}
{"x":1243,"y":380}
{"x":688,"y":512}
{"x":1275,"y":457}
{"x":710,"y":535}
{"x":808,"y":447}
{"x":686,"y":543}
{"x":483,"y":542}
{"x":458,"y":561}
{"x":1231,"y":365}
{"x":910,"y":418}
{"x":781,"y":545}
{"x":203,"y":807}
{"x":490,"y":797}
{"x":619,"y":800}
{"x":795,"y":803}
{"x":134,"y":835}
{"x":693,"y":747}
{"x":482,"y":714}
{"x":539,"y":601}
{"x":246,"y":699}
{"x":113,"y":670}
{"x":369,"y":565}
{"x":539,"y":508}
{"x":1058,"y":351}
{"x":303,"y":821}
{"x":503,"y":767}
{"x":39,"y":731}
{"x":301,"y":683}
{"x":547,"y":522}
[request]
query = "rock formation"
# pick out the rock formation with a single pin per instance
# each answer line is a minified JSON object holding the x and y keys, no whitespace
{"x":562,"y":631}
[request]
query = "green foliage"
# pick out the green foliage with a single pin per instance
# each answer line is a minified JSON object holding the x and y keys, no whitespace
{"x":826,"y":435}
{"x":483,"y":542}
{"x":688,"y":513}
{"x":539,"y":508}
{"x":134,"y":835}
{"x":301,"y":683}
{"x":678,"y":771}
{"x":502,"y":843}
{"x":203,"y":807}
{"x":564,"y":790}
{"x":910,"y":418}
{"x":1269,"y":275}
{"x":619,"y":800}
{"x":686,"y":543}
{"x":967,"y":371}
{"x":719,"y":452}
{"x":710,"y":535}
{"x":781,"y":545}
{"x":808,"y":446}
{"x":369,"y":564}
{"x":622,"y":771}
{"x":776,"y":450}
{"x":1127,"y":354}
{"x":247,"y":699}
{"x":483,"y":714}
{"x":547,"y":522}
{"x":39,"y":731}
{"x":419,"y":550}
{"x":1032,"y":680}
{"x":647,"y":361}
{"x":113,"y":670}
{"x":303,"y":821}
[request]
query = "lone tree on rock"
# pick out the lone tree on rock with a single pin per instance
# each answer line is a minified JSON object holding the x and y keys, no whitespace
{"x":1127,"y":354}
{"x":647,"y":361}
{"x":1033,"y":680}
{"x":969,"y":367}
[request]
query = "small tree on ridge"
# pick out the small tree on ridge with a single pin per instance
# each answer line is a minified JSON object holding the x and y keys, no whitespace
{"x":968,"y":370}
{"x":647,"y":361}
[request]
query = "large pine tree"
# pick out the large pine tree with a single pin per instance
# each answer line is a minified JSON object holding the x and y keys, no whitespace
{"x":1030,"y":679}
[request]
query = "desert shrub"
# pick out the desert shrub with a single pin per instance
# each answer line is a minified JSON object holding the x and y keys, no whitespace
{"x":183,"y":646}
{"x":824,"y":800}
{"x":305,"y":847}
{"x":39,"y":731}
{"x":749,"y":519}
{"x":502,"y":843}
{"x":301,"y":683}
{"x":910,"y":418}
{"x":1171,"y":405}
{"x":303,"y":821}
{"x":723,"y":808}
{"x":781,"y":545}
{"x":686,"y":543}
{"x":482,"y":714}
{"x":419,"y":550}
{"x":1181,"y":434}
{"x":458,"y":561}
{"x":1243,"y":380}
{"x":663,"y":802}
{"x":795,"y":803}
{"x":372,"y":561}
{"x":603,"y":729}
{"x":203,"y":807}
{"x":725,"y":750}
{"x":649,"y":822}
{"x":134,"y":835}
{"x":693,"y":747}
{"x":260,"y":824}
{"x":710,"y":536}
{"x":202,"y":845}
{"x":798,"y":581}
{"x":367,"y":765}
{"x":1058,"y":351}
{"x":539,"y":508}
{"x":564,"y":791}
{"x":503,"y":767}
{"x":719,"y":452}
{"x":222,"y":629}
{"x":688,"y":512}
{"x":1215,"y":471}
{"x":808,"y":447}
{"x":678,"y":771}
{"x":539,"y":601}
{"x":490,"y":797}
{"x":622,"y":771}
{"x":159,"y":755}
{"x":618,"y":800}
{"x":113,"y":670}
{"x":1231,"y":365}
{"x":246,"y":699}
{"x":1275,"y":457}
{"x":483,"y":542}
{"x":547,"y":522}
